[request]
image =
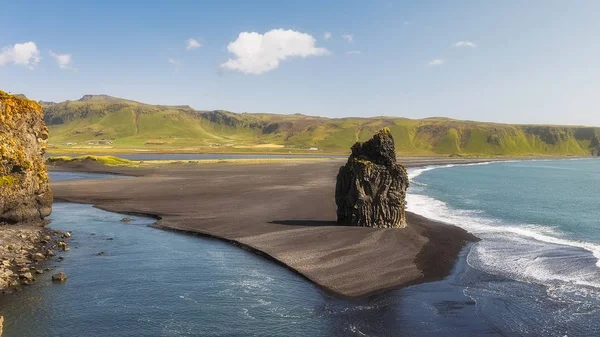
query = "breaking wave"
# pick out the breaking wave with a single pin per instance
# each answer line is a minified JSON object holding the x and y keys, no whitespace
{"x":523,"y":252}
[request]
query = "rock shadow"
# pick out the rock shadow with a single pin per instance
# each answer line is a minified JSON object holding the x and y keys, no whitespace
{"x":305,"y":222}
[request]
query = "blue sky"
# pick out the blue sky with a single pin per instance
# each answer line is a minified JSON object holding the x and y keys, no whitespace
{"x":505,"y":61}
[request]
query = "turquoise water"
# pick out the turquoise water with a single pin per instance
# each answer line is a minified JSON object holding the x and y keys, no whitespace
{"x":561,"y":196}
{"x":539,"y":222}
{"x":533,"y":274}
{"x":151,"y":282}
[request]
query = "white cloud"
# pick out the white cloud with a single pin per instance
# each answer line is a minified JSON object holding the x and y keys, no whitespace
{"x":436,"y":62}
{"x":192,"y":44}
{"x":465,"y":44}
{"x":326,"y":36}
{"x":63,"y":60}
{"x":175,"y":63}
{"x":259,"y":53}
{"x":348,"y":37}
{"x":354,"y":52}
{"x":25,"y":54}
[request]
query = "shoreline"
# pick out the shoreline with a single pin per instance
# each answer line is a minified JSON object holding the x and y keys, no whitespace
{"x":135,"y":168}
{"x":431,"y":272}
{"x":25,"y":250}
{"x":60,"y":151}
{"x":349,"y":262}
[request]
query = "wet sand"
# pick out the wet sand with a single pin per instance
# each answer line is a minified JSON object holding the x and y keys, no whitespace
{"x":285,"y":211}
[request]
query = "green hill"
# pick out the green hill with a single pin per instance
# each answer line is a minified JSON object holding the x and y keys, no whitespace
{"x":104,"y":123}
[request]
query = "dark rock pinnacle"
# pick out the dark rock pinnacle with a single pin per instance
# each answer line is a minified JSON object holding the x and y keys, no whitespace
{"x":371,"y":187}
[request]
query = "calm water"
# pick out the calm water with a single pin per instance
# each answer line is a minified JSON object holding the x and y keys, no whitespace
{"x":151,"y":282}
{"x":58,"y":176}
{"x":528,"y":276}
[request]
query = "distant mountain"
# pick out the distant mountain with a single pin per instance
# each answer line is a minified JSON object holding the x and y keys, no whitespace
{"x":126,"y":124}
{"x":103,"y":98}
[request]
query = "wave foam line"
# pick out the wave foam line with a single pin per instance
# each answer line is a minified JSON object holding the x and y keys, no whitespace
{"x":413,"y":173}
{"x":522,"y":252}
{"x":438,"y":210}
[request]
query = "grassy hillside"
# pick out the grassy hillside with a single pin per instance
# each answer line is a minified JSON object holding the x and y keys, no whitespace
{"x":104,"y":123}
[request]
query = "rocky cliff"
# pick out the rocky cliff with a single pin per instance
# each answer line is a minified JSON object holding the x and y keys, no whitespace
{"x":24,"y":192}
{"x":371,"y":187}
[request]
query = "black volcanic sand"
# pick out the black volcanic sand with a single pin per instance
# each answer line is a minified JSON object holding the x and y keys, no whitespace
{"x":285,"y":211}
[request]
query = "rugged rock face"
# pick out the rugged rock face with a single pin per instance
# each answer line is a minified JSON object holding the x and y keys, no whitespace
{"x":371,"y":187}
{"x":24,"y":191}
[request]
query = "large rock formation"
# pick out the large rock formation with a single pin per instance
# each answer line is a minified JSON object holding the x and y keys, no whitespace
{"x":24,"y":191}
{"x":371,"y":187}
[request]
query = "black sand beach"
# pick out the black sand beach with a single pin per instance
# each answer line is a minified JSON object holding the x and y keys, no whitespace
{"x":285,"y":211}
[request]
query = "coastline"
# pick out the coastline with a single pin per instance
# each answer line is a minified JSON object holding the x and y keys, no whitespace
{"x":239,"y":282}
{"x":24,"y":249}
{"x":290,"y":219}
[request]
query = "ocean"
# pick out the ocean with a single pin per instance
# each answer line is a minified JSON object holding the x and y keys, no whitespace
{"x":534,"y":273}
{"x":539,"y":224}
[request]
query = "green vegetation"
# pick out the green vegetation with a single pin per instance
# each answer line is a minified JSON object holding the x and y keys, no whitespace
{"x":111,"y":125}
{"x":116,"y":161}
{"x":8,"y":181}
{"x":104,"y":160}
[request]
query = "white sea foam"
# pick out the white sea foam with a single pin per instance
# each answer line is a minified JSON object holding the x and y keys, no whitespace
{"x":524,"y":252}
{"x":353,"y":328}
{"x":246,"y":314}
{"x":415,"y":172}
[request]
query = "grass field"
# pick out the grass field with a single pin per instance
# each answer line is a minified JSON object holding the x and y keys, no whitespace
{"x":104,"y":125}
{"x":116,"y":161}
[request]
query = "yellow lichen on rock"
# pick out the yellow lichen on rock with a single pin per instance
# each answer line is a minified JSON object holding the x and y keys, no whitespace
{"x":13,"y":107}
{"x":24,"y":191}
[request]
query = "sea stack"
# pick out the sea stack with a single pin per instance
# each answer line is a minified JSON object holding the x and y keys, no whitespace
{"x":371,"y":187}
{"x":25,"y":195}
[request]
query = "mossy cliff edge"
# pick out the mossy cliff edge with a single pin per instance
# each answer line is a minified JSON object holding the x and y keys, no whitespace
{"x":25,"y":195}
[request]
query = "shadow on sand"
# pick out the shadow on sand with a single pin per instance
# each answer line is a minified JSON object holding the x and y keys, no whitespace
{"x":305,"y":222}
